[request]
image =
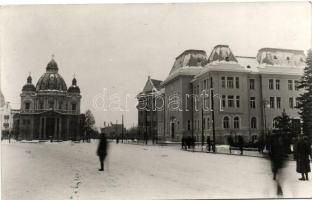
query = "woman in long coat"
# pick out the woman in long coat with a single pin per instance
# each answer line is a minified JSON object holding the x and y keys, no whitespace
{"x":302,"y":153}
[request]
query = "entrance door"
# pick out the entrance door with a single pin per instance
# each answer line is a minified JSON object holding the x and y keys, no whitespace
{"x":50,"y":127}
{"x":172,"y":130}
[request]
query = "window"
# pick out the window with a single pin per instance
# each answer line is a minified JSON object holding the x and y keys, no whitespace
{"x":206,"y":102}
{"x":237,"y":102}
{"x":226,"y":122}
{"x":230,"y":101}
{"x":236,"y":122}
{"x":73,"y":106}
{"x":230,"y":82}
{"x":208,"y":123}
{"x":207,"y":84}
{"x":223,"y":101}
{"x":27,"y":106}
{"x":278,"y":102}
{"x":204,"y":123}
{"x":41,"y":105}
{"x":252,"y":102}
{"x":60,"y":105}
{"x":198,"y":124}
{"x":204,"y":84}
{"x":290,"y":85}
{"x":253,"y":122}
{"x":188,"y":124}
{"x":297,"y":102}
{"x":271,"y":86}
{"x":223,"y":82}
{"x":272,"y":102}
{"x":211,"y":82}
{"x":296,"y":85}
{"x":198,"y":89}
{"x":277,"y":84}
{"x":275,"y":123}
{"x":237,"y":82}
{"x":51,"y":104}
{"x":252,"y":84}
{"x":291,"y":102}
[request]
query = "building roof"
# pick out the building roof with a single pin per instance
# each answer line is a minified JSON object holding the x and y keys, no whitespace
{"x":51,"y":80}
{"x":188,"y":63}
{"x":2,"y":100}
{"x":151,"y":86}
{"x":29,"y":87}
{"x":156,"y":83}
{"x":74,"y":88}
{"x":221,"y":52}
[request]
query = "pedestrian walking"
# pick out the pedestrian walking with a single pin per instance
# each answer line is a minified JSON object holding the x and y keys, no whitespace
{"x":302,"y":153}
{"x":102,"y":150}
{"x":240,"y":144}
{"x":208,"y":144}
{"x":278,"y":156}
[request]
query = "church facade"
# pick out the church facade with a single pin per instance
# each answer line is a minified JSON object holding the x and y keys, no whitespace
{"x":49,"y":110}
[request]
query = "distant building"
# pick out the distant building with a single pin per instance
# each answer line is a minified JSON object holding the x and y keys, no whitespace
{"x":113,"y":130}
{"x":150,"y":120}
{"x":49,"y":110}
{"x":249,"y":93}
{"x":6,"y":117}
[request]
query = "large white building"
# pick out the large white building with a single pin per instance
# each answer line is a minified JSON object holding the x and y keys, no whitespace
{"x":249,"y":93}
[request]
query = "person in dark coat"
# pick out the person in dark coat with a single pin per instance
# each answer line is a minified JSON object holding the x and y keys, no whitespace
{"x":302,"y":153}
{"x":278,"y":156}
{"x":102,"y":150}
{"x":208,"y":144}
{"x":240,"y":144}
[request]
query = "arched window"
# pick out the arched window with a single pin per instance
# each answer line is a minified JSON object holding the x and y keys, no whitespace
{"x":275,"y":122}
{"x":236,"y":122}
{"x":226,"y":122}
{"x":253,"y":122}
{"x":27,"y":105}
{"x":74,"y":105}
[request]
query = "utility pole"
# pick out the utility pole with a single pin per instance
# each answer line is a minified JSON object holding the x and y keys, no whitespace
{"x":202,"y":127}
{"x":213,"y":123}
{"x":122,"y":128}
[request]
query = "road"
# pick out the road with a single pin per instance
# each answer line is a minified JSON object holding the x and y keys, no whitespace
{"x":34,"y":171}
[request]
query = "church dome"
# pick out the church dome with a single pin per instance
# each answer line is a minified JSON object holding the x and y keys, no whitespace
{"x":51,"y":80}
{"x":74,"y":88}
{"x":29,"y":87}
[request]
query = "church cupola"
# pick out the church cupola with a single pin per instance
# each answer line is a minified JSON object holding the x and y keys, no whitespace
{"x":29,"y":87}
{"x":52,"y":66}
{"x":74,"y":88}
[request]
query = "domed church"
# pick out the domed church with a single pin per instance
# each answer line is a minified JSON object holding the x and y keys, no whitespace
{"x":49,"y":110}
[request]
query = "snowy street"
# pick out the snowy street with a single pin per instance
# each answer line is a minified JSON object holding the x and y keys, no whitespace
{"x":34,"y":171}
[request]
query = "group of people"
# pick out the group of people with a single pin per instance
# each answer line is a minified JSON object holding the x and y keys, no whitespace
{"x":279,"y":150}
{"x":188,"y":142}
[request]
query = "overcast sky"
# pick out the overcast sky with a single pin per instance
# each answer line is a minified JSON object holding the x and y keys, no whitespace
{"x":118,"y":46}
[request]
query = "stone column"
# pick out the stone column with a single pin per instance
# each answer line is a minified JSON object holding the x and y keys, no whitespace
{"x":40,"y":128}
{"x":32,"y":124}
{"x":44,"y":127}
{"x":60,"y":128}
{"x":55,"y":128}
{"x":67,"y":129}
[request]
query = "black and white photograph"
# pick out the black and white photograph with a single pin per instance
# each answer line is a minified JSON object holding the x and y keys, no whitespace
{"x":175,"y":100}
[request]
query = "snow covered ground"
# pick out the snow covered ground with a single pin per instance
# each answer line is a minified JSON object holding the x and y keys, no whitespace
{"x":45,"y":171}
